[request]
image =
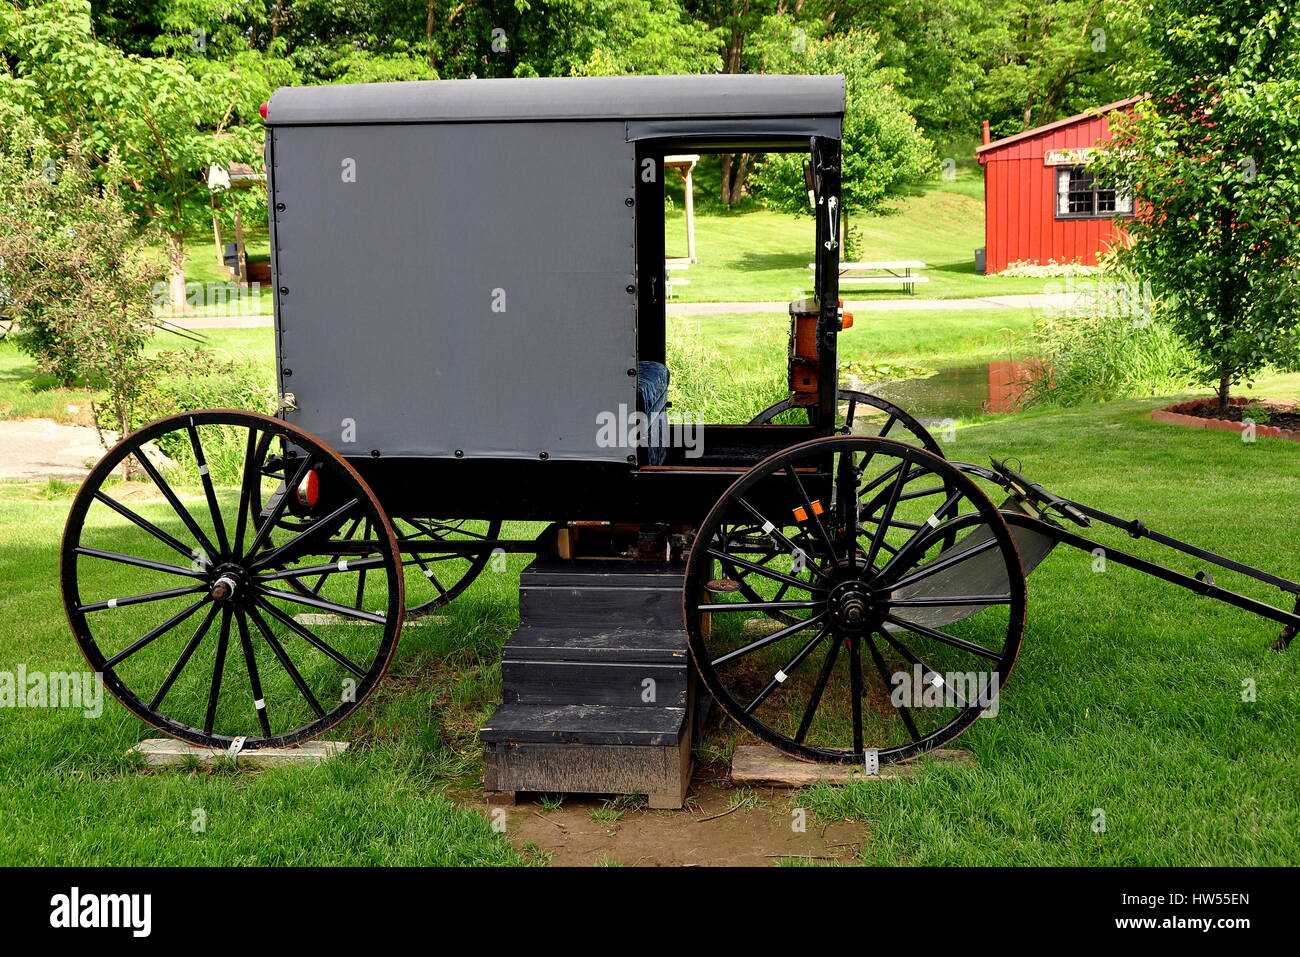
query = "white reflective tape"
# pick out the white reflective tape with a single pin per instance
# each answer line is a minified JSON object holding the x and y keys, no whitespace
{"x":343,"y":565}
{"x":767,"y":528}
{"x":259,"y":704}
{"x":933,"y":521}
{"x":780,"y":675}
{"x":203,"y":470}
{"x":936,"y":680}
{"x":428,"y":573}
{"x":112,"y":603}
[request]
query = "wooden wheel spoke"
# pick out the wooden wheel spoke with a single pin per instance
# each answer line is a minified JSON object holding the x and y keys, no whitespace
{"x":139,"y":562}
{"x":148,"y":526}
{"x":778,"y":535}
{"x":287,"y":663}
{"x":218,"y":672}
{"x":141,"y":599}
{"x":756,"y":606}
{"x":760,"y":569}
{"x":904,"y":712}
{"x":313,"y":639}
{"x":855,"y":692}
{"x":254,"y":680}
{"x":942,"y":563}
{"x":210,"y":493}
{"x":277,"y":510}
{"x":323,"y":604}
{"x":927,"y":534}
{"x":251,"y":477}
{"x":815,"y":699}
{"x":190,"y":648}
{"x":926,"y":671}
{"x":949,"y":601}
{"x":784,"y":673}
{"x":177,"y":506}
{"x":331,"y":568}
{"x":882,"y":529}
{"x":299,"y":543}
{"x":153,"y":634}
{"x":813,"y":517}
{"x":944,"y":638}
{"x":766,"y":640}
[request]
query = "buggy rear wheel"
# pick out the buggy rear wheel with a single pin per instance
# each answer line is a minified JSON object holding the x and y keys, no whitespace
{"x":858,"y":413}
{"x":903,"y":591}
{"x":180,"y":602}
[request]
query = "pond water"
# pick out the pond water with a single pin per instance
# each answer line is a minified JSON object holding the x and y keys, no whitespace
{"x":956,"y":391}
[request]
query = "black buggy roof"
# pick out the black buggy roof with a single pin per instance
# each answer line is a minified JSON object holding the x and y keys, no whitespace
{"x":743,"y":100}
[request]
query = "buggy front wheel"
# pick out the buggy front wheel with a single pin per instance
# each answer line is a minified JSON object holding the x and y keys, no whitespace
{"x":901,"y":591}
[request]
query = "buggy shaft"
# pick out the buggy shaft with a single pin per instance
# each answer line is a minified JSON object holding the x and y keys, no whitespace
{"x":1198,"y":585}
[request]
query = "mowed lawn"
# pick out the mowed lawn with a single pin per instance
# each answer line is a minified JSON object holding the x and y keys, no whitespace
{"x":1127,"y":699}
{"x":759,"y":255}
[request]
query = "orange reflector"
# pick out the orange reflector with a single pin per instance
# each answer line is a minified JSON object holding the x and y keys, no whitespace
{"x":309,"y":490}
{"x":801,"y":513}
{"x":847,"y":321}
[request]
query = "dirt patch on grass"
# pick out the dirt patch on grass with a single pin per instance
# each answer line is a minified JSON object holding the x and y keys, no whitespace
{"x":720,"y":826}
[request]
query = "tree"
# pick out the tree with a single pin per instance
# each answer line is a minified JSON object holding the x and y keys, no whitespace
{"x":884,"y":150}
{"x":71,"y":267}
{"x":166,"y":125}
{"x":1213,"y":160}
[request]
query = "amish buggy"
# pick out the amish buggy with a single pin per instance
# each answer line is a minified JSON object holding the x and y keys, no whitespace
{"x":470,"y":304}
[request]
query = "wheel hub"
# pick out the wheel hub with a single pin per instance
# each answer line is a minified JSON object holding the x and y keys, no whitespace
{"x":229,"y":583}
{"x":852,"y":606}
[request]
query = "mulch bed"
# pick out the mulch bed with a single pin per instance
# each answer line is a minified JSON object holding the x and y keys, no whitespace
{"x":1283,"y":419}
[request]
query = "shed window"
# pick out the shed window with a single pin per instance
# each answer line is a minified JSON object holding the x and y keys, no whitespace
{"x":1078,"y":197}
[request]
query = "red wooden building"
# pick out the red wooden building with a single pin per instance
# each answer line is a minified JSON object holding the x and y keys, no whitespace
{"x":1040,"y":202}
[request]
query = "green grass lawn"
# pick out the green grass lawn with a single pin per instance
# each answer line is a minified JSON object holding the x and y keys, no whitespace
{"x":1126,"y":699}
{"x":759,"y":255}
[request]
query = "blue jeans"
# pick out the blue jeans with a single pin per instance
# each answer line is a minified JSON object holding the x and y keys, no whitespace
{"x":652,"y":384}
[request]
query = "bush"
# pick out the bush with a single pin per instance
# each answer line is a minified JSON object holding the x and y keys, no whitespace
{"x":1098,"y":355}
{"x":190,"y":379}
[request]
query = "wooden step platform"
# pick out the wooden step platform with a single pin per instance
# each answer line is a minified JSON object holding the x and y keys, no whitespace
{"x":598,"y":696}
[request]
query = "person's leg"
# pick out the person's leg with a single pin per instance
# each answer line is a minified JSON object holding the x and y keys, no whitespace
{"x":652,"y":383}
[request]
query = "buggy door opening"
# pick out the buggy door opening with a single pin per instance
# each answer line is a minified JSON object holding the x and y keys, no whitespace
{"x":678,"y":436}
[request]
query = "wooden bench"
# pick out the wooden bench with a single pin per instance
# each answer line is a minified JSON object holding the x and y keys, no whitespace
{"x":900,"y":271}
{"x":672,"y":283}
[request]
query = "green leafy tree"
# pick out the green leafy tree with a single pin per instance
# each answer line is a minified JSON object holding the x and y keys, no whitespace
{"x":71,"y":267}
{"x":884,"y":150}
{"x":1213,"y":160}
{"x":166,"y":125}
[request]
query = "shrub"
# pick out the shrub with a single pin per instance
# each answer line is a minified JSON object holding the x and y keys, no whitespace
{"x":1096,"y":356}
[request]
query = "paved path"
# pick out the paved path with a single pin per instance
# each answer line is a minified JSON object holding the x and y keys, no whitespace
{"x":1055,"y":300}
{"x":38,"y":449}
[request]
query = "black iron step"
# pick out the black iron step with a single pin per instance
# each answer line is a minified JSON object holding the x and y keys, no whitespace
{"x":584,"y":724}
{"x":597,"y":573}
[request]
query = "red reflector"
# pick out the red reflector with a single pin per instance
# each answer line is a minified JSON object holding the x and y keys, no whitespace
{"x":309,"y":490}
{"x":262,"y":109}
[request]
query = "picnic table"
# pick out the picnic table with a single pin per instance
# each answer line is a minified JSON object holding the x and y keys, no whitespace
{"x":872,"y":273}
